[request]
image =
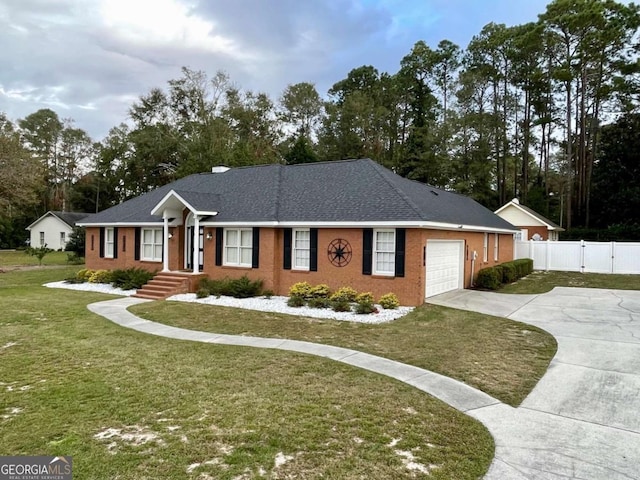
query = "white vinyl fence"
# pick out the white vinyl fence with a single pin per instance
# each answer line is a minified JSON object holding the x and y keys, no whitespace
{"x":584,"y":257}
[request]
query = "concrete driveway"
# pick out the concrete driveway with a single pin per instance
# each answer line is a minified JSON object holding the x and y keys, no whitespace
{"x":583,"y":418}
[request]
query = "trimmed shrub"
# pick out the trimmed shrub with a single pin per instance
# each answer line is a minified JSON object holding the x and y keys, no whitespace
{"x":268,"y":294}
{"x":364,"y":297}
{"x":84,"y":274}
{"x":295,"y":301}
{"x":320,"y":291}
{"x":490,"y":278}
{"x":100,"y":276}
{"x":202,"y":293}
{"x":340,"y":306}
{"x":344,"y":294}
{"x":389,"y":301}
{"x":318,"y":302}
{"x":509,"y":273}
{"x":524,"y":266}
{"x":300,"y":289}
{"x":365,"y":307}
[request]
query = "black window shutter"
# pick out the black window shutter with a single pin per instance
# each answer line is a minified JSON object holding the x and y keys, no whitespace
{"x":219,"y":237}
{"x":287,"y":249}
{"x":367,"y":250}
{"x":136,"y":244}
{"x":255,"y":248}
{"x":101,"y":242}
{"x":313,"y":250}
{"x":115,"y":242}
{"x":401,"y":235}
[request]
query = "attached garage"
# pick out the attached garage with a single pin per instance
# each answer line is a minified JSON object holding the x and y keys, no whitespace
{"x":444,"y":266}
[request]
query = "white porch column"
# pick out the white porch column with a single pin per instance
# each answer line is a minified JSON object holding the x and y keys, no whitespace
{"x":165,"y":245}
{"x":196,"y":244}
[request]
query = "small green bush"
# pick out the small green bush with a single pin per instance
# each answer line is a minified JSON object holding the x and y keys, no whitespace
{"x":389,"y":301}
{"x":131,"y":278}
{"x":300,"y":289}
{"x":202,"y":293}
{"x":318,"y":302}
{"x":242,"y":287}
{"x":295,"y":301}
{"x":344,"y":294}
{"x":268,"y":294}
{"x":100,"y":276}
{"x":320,"y":291}
{"x":365,"y":307}
{"x":74,"y":259}
{"x":340,"y":306}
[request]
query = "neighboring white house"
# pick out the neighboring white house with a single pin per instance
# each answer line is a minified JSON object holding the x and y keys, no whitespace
{"x":53,"y":229}
{"x":532,"y":225}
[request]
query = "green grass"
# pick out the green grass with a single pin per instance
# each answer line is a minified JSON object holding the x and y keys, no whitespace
{"x":18,"y":258}
{"x":542,"y":282}
{"x":499,"y":356}
{"x":68,"y":376}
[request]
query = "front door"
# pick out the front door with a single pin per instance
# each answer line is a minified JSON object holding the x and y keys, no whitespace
{"x":189,"y":245}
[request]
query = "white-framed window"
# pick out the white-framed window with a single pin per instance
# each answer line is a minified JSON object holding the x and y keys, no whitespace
{"x":485,"y":248}
{"x":238,"y":248}
{"x":384,"y":252}
{"x":300,"y":252}
{"x":151,"y":245}
{"x":41,"y":238}
{"x":109,"y":242}
{"x":63,"y":238}
{"x":495,"y":246}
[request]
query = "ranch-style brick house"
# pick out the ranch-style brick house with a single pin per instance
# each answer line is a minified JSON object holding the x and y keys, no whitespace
{"x":350,"y":222}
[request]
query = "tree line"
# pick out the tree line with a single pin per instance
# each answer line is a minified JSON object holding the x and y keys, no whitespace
{"x":542,"y":111}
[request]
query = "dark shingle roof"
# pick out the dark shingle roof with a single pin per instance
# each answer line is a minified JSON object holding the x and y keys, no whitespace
{"x":70,"y":218}
{"x":357,"y":191}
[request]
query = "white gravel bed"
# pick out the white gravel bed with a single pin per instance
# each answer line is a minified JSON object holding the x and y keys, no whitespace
{"x":279,"y":305}
{"x":274,"y":304}
{"x":91,"y":287}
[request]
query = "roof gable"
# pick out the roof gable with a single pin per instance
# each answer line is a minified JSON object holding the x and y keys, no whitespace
{"x":69,"y":218}
{"x":523,"y":216}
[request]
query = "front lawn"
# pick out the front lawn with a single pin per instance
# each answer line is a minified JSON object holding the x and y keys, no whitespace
{"x":501,"y":357}
{"x":128,"y":405}
{"x":542,"y":282}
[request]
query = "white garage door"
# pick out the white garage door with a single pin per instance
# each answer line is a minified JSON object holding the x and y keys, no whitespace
{"x":444,"y":266}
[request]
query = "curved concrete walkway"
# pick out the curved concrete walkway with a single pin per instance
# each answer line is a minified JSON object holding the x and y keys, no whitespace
{"x":457,"y":394}
{"x":581,"y":421}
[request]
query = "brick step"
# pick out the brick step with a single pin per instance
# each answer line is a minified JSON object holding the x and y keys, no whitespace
{"x":163,"y":285}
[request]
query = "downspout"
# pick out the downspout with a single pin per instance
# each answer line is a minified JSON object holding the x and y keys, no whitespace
{"x":474,"y":255}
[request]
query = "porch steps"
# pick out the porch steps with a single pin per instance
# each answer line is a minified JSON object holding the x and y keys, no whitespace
{"x":164,"y":285}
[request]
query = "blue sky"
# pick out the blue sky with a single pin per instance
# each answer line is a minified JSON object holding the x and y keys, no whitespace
{"x":90,"y":59}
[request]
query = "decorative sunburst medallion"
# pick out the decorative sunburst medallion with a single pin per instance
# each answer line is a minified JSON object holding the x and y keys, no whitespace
{"x":339,"y":252}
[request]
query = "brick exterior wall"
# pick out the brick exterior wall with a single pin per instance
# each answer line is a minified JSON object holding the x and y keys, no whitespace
{"x":540,"y":230}
{"x":410,"y":288}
